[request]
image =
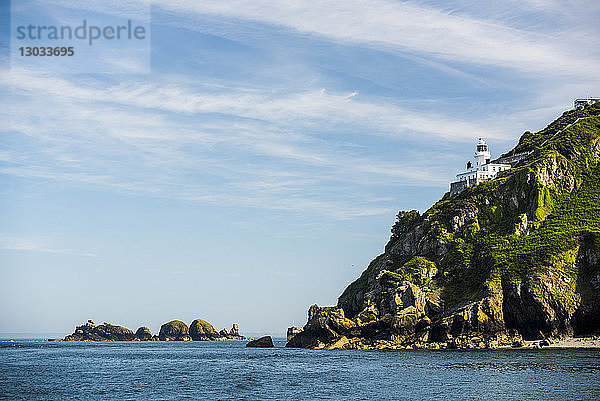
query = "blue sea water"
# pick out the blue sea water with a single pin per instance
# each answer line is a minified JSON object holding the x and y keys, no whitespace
{"x":228,"y":370}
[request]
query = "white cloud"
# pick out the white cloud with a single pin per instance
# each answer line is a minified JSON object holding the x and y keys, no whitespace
{"x":315,"y":107}
{"x":280,"y":148}
{"x":170,"y":141}
{"x":36,"y":244}
{"x":411,"y":27}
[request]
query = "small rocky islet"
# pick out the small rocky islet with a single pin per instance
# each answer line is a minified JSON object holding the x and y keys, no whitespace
{"x":175,"y":330}
{"x":263,"y":342}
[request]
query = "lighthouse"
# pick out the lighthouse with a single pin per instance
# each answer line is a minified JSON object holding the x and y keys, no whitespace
{"x":482,"y":154}
{"x":482,"y":171}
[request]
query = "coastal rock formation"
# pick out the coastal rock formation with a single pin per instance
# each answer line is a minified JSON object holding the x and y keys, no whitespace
{"x":104,"y":332}
{"x":174,"y":330}
{"x":144,"y":334}
{"x":234,"y":333}
{"x":508,"y":260}
{"x":201,"y":330}
{"x":292,"y":331}
{"x":263,"y":342}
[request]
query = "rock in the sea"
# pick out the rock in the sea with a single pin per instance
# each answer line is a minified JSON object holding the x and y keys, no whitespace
{"x":201,"y":330}
{"x":263,"y":342}
{"x":174,"y":330}
{"x":104,"y":332}
{"x":143,"y":334}
{"x":318,"y":329}
{"x":292,"y":331}
{"x":234,"y":333}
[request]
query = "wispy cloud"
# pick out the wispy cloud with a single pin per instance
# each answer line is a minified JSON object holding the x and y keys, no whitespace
{"x":285,"y":147}
{"x":316,"y":107}
{"x":37,"y":244}
{"x":414,"y":27}
{"x":171,"y":141}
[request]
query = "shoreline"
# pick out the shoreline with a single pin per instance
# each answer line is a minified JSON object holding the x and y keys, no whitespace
{"x":566,"y":342}
{"x":586,"y":342}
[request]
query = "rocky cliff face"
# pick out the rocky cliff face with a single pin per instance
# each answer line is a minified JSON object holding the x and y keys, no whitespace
{"x":511,"y":259}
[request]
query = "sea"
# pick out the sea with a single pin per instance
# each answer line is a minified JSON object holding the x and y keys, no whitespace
{"x":229,"y":371}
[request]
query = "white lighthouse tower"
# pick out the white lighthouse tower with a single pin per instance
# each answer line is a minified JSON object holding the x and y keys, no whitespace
{"x":482,"y":155}
{"x":482,"y":171}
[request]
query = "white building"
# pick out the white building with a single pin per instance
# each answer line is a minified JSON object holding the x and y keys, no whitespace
{"x":481,"y":171}
{"x":581,"y":103}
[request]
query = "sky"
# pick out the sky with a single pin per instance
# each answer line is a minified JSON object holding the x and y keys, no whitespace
{"x":254,"y":163}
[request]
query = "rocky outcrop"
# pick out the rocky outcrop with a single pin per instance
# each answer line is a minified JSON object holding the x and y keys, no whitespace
{"x":512,"y":259}
{"x":541,"y":306}
{"x":201,"y":330}
{"x":263,"y":342}
{"x":104,"y":332}
{"x":234,"y":333}
{"x":144,"y":334}
{"x":292,"y":331}
{"x":174,"y":330}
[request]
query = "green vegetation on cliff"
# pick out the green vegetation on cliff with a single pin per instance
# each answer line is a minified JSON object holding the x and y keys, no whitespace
{"x":560,"y":209}
{"x":520,"y":251}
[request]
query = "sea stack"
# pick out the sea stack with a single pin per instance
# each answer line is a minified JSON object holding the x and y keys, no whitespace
{"x":201,"y":330}
{"x":144,"y":334}
{"x":175,"y":330}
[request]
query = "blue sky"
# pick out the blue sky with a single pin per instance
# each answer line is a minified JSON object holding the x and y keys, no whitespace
{"x":259,"y":166}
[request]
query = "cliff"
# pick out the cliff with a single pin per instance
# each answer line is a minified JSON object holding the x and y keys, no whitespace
{"x":510,"y":259}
